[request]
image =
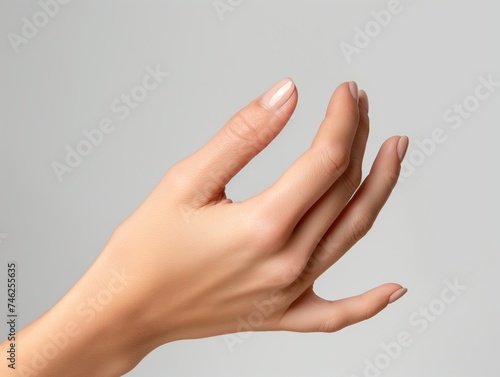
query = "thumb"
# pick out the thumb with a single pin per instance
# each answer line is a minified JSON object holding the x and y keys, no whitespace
{"x":311,"y":313}
{"x":244,"y":136}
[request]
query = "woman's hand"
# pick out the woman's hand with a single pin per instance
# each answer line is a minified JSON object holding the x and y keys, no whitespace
{"x":194,"y":264}
{"x":204,"y":262}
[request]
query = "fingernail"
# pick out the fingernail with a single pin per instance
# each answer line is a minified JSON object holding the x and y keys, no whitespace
{"x":278,"y":95}
{"x":363,"y":98}
{"x":354,"y":90}
{"x":397,"y":295}
{"x":402,"y":147}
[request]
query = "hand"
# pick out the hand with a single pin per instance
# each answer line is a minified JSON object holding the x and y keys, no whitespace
{"x":206,"y":261}
{"x":194,"y":264}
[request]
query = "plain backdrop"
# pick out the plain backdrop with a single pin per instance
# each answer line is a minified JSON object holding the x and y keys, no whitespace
{"x":440,"y":225}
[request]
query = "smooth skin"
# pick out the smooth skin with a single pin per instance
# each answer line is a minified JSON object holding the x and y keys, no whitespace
{"x":189,"y":263}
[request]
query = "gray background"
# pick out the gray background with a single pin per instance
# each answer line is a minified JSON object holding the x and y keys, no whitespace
{"x":439,"y":224}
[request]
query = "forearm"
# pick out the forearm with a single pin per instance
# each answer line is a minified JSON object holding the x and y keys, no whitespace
{"x":87,"y":333}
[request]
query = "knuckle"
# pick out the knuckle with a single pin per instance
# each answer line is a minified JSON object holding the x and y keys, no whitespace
{"x":361,"y":225}
{"x":334,"y":161}
{"x":272,"y":236}
{"x":281,"y":275}
{"x":240,"y":127}
{"x":334,"y":323}
{"x":178,"y":178}
{"x":266,"y":233}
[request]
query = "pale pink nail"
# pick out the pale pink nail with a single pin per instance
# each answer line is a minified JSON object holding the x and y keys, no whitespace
{"x":397,"y":295}
{"x":402,"y":147}
{"x":354,"y":90}
{"x":278,"y":95}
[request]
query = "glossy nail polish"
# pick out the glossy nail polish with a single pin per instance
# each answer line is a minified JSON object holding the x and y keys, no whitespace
{"x":278,"y":95}
{"x":363,"y":99}
{"x":353,"y":87}
{"x":402,"y":147}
